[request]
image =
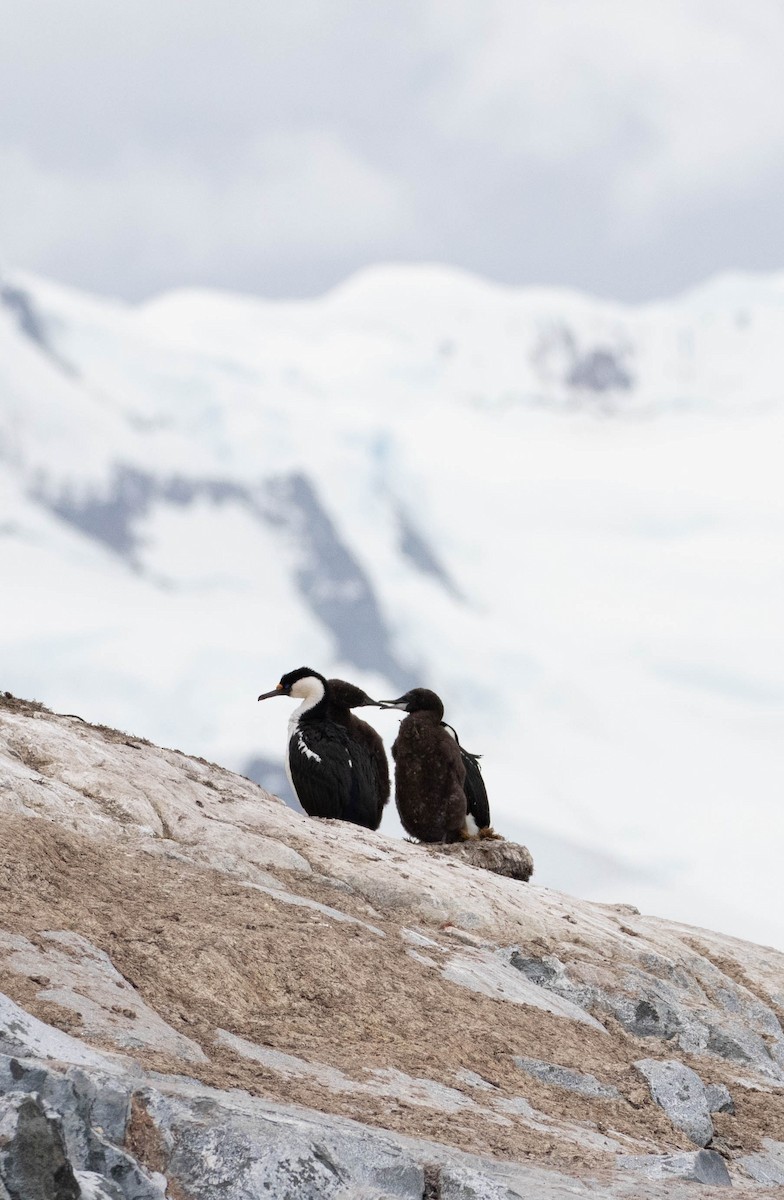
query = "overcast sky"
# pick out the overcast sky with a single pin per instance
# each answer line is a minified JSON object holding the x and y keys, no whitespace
{"x":626,"y":147}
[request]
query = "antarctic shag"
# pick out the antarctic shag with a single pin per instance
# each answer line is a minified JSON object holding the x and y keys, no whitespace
{"x":329,"y":778}
{"x":439,"y":790}
{"x":429,"y":772}
{"x":343,"y":697}
{"x":477,"y":799}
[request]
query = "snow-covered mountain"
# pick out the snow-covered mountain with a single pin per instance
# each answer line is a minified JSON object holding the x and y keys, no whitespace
{"x":566,"y":516}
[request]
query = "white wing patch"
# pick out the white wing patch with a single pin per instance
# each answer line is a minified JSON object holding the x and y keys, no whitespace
{"x":305,"y":749}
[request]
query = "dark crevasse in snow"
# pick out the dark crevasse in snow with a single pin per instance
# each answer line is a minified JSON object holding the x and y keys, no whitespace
{"x":113,"y":517}
{"x":29,"y":320}
{"x":329,"y":577}
{"x":421,"y":555}
{"x":600,"y":370}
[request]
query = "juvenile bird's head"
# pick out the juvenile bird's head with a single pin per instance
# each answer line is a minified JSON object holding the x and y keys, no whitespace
{"x":417,"y":700}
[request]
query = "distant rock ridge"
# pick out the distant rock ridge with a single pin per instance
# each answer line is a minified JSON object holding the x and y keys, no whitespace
{"x":207,"y":996}
{"x":21,"y":305}
{"x":330,"y":579}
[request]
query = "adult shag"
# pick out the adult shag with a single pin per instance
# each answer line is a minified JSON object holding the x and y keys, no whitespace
{"x":343,"y":697}
{"x":328,"y":775}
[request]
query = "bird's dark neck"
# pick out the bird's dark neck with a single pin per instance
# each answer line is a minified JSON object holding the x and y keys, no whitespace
{"x":428,"y":716}
{"x":314,"y":712}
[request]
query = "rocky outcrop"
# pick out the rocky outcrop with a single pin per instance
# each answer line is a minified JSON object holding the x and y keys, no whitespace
{"x":33,"y":1158}
{"x":681,"y":1093}
{"x":496,"y":855}
{"x":207,"y":995}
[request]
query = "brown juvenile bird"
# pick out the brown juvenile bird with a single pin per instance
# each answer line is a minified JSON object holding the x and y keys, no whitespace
{"x":439,"y":790}
{"x":429,"y":772}
{"x":477,"y":799}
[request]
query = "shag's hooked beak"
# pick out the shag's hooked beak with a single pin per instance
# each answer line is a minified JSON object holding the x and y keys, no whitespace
{"x":278,"y":691}
{"x":399,"y":703}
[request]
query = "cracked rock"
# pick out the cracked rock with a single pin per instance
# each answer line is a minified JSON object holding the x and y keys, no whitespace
{"x":767,"y":1166}
{"x":33,"y":1162}
{"x":703,"y":1166}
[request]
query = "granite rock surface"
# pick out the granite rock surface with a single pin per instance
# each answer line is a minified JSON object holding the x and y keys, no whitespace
{"x":207,"y":996}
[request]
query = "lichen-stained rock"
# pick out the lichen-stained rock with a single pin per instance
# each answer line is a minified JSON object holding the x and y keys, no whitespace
{"x":767,"y":1165}
{"x":654,"y":997}
{"x":33,"y":1161}
{"x":718,"y":1099}
{"x":67,"y":1135}
{"x":702,"y":1166}
{"x":563,"y":1077}
{"x":681,"y":1093}
{"x":171,"y":1136}
{"x":93,"y":1187}
{"x":491,"y":975}
{"x":20,"y":1032}
{"x":77,"y":976}
{"x":496,"y":855}
{"x":247,"y":1150}
{"x":91,"y":1115}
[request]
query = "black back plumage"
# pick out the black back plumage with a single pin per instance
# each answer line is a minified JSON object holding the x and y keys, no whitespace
{"x":367,"y":747}
{"x":475,"y":790}
{"x":321,"y":786}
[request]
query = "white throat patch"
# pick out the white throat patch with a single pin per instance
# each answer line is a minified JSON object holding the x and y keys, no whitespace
{"x":310,"y":690}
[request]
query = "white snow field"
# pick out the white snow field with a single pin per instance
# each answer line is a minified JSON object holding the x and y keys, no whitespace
{"x":565,"y":516}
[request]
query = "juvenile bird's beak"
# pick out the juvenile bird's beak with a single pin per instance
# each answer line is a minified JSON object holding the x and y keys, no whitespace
{"x":277,"y":692}
{"x":399,"y":703}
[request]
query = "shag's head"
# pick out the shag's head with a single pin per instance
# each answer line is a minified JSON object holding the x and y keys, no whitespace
{"x":303,"y":684}
{"x":348,"y":695}
{"x":417,"y":700}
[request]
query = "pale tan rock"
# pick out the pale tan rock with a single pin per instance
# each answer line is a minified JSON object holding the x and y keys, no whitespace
{"x":396,"y":975}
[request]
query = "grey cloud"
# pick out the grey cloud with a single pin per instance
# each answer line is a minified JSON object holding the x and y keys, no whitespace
{"x":277,"y":147}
